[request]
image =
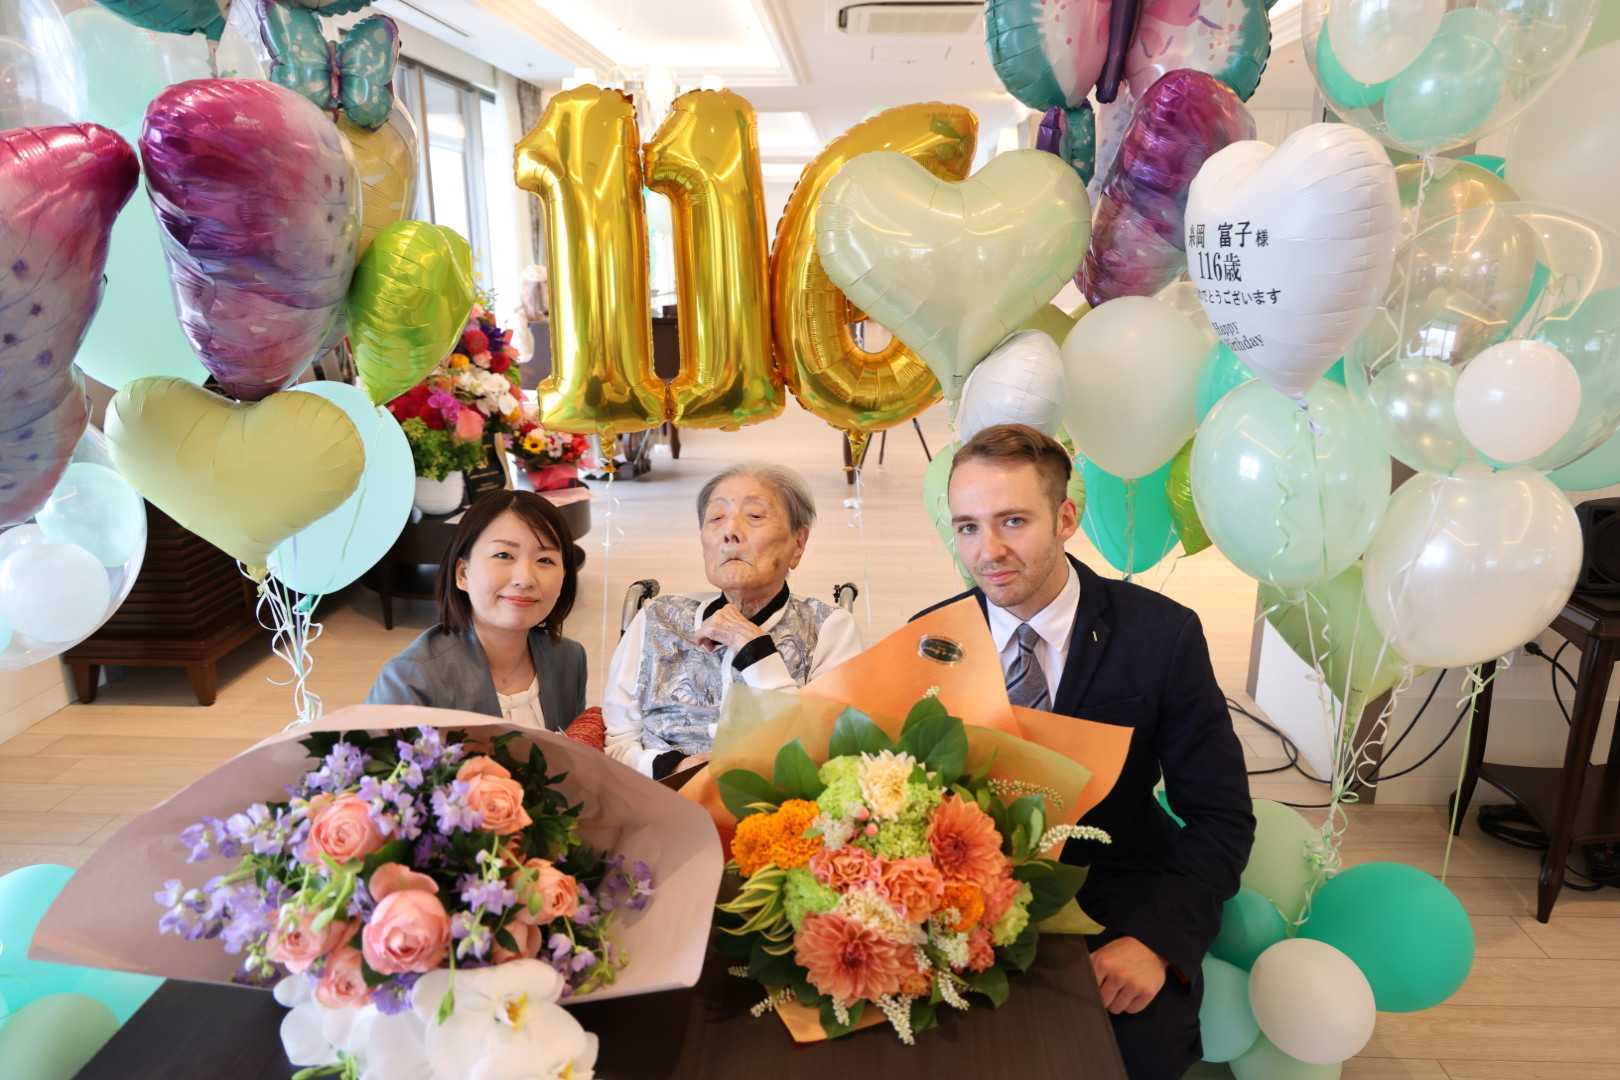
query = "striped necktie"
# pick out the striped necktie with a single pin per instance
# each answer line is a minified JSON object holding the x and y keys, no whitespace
{"x":1026,"y":678}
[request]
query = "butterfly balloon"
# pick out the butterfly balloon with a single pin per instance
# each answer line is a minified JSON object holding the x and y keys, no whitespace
{"x":354,"y":76}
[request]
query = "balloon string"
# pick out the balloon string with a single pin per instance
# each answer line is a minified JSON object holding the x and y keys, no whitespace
{"x":610,"y":504}
{"x":1473,"y":686}
{"x":293,"y":629}
{"x":859,"y":523}
{"x":1130,"y":529}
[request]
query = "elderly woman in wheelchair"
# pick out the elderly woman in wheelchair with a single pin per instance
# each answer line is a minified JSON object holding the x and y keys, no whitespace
{"x":674,"y":662}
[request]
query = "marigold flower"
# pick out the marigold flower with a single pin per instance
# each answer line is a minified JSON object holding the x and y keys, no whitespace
{"x":968,"y":901}
{"x":751,"y":846}
{"x":791,"y":848}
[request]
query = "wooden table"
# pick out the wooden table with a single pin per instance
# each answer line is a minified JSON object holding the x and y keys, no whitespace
{"x":411,"y":566}
{"x":1053,"y":1025}
{"x":1578,"y":803}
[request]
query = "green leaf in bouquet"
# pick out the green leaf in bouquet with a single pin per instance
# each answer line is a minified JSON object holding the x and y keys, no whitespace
{"x":769,"y":968}
{"x":447,"y":1005}
{"x":1053,"y":883}
{"x":805,"y":990}
{"x":504,"y":938}
{"x":923,"y":1016}
{"x":992,"y":983}
{"x":1027,"y":815}
{"x":795,"y":773}
{"x":1071,"y":919}
{"x":938,"y":740}
{"x":394,"y":851}
{"x":1021,"y":953}
{"x":373,"y":979}
{"x":982,"y":773}
{"x":924,"y":709}
{"x":728,"y":944}
{"x":829,"y":1019}
{"x":742,"y":791}
{"x":856,"y":734}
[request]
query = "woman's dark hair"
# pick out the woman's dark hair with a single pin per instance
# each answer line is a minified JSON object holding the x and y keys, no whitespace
{"x":537,"y":512}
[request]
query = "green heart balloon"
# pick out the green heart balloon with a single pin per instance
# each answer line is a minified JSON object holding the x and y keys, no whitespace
{"x":953,"y":268}
{"x":1346,"y":640}
{"x":242,"y":476}
{"x":408,"y":304}
{"x":936,"y":484}
{"x":1178,"y":486}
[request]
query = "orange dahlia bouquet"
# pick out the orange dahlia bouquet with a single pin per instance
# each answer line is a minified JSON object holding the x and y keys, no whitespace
{"x":894,"y":869}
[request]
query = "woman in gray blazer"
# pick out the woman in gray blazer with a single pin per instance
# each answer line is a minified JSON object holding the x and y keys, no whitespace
{"x":506,"y":584}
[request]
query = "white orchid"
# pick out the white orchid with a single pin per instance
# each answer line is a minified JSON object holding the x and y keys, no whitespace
{"x":505,"y":1024}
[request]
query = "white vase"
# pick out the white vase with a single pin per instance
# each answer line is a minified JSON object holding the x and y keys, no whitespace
{"x":440,"y":496}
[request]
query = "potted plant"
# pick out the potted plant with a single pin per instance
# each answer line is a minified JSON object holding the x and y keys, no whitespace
{"x":550,"y":458}
{"x":446,"y":441}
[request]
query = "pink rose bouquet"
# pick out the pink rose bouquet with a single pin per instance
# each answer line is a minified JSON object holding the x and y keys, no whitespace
{"x":402,"y":853}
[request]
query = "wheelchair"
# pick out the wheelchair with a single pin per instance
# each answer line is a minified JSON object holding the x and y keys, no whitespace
{"x":644,"y":590}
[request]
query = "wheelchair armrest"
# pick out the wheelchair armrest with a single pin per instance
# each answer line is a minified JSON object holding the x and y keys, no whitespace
{"x":844,"y":595}
{"x":634,"y":597}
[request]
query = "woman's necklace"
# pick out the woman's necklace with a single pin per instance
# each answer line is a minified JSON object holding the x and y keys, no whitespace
{"x":508,"y":681}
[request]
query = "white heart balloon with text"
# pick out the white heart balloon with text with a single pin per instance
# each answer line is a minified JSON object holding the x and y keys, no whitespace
{"x":953,"y":268}
{"x":1291,"y":248}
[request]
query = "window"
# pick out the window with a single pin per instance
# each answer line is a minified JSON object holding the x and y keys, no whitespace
{"x":450,"y":186}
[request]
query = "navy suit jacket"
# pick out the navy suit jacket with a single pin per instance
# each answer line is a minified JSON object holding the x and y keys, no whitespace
{"x":1139,"y":660}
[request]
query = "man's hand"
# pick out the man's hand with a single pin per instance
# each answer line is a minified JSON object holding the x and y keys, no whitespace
{"x":727,"y":628}
{"x":1129,"y":975}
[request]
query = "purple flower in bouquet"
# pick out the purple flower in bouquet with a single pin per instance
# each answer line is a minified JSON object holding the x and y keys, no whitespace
{"x":493,"y":896}
{"x":361,"y":903}
{"x":451,"y":809}
{"x":340,"y":769}
{"x":394,"y":996}
{"x":207,"y":838}
{"x":474,"y":937}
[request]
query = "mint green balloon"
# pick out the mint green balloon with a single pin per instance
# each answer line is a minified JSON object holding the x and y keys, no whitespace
{"x":1130,"y":522}
{"x":1343,"y":89}
{"x":1250,"y":924}
{"x":1225,"y":1017}
{"x":936,"y":479}
{"x":1265,"y":1062}
{"x":1291,"y":496}
{"x":1280,"y":868}
{"x":1492,"y":163}
{"x":1223,"y":372}
{"x":1406,"y":931}
{"x":1597,"y":469}
{"x":53,"y":1037}
{"x":1449,"y":92}
{"x":338,"y":548}
{"x":135,"y":332}
{"x":94,"y":507}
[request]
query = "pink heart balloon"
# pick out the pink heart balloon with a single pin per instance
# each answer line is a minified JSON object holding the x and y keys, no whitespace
{"x":258,"y":201}
{"x":60,"y":190}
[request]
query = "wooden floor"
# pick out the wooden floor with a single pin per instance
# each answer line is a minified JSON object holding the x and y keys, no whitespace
{"x":1543,"y":1002}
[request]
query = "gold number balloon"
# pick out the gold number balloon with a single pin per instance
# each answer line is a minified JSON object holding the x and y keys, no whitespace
{"x":386,"y":160}
{"x":832,"y":376}
{"x":583,"y":160}
{"x":705,"y":158}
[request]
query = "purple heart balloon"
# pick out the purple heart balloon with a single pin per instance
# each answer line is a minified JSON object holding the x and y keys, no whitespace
{"x":60,"y":190}
{"x":258,"y":202}
{"x":1137,"y":246}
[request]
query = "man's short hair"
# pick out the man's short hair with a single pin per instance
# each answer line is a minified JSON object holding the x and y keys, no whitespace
{"x":1013,"y":444}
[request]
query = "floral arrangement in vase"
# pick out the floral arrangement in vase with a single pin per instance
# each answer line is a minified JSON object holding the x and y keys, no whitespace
{"x":895,"y":877}
{"x":412,"y":886}
{"x":551,"y":458}
{"x":482,"y":371}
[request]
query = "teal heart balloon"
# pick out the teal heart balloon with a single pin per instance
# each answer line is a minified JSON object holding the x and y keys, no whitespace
{"x":1130,"y":521}
{"x":1342,"y":88}
{"x":1223,"y":372}
{"x":172,"y":16}
{"x":336,"y":549}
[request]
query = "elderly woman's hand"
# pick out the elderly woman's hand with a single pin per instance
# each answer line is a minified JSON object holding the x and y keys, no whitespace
{"x":727,"y":628}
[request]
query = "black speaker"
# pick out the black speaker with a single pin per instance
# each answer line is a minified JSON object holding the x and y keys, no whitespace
{"x":1600,"y":533}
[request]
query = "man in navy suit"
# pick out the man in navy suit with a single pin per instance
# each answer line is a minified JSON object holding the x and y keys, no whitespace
{"x":1075,"y":643}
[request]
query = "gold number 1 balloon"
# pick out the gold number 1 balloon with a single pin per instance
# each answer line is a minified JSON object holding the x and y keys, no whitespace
{"x":584,"y":162}
{"x":705,"y":158}
{"x":833,"y":377}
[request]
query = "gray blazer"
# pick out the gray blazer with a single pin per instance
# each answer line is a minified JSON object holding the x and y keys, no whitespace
{"x":450,"y":671}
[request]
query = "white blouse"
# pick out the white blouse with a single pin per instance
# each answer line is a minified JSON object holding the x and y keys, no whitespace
{"x":523,"y":707}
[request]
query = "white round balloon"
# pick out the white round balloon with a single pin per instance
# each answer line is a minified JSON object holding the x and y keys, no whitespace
{"x":53,"y":592}
{"x":1515,"y":400}
{"x":1020,"y":382}
{"x":1376,"y":39}
{"x":1465,"y":567}
{"x":1312,"y":1001}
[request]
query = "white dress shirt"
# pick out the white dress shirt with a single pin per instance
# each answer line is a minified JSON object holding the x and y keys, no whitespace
{"x":1054,"y":623}
{"x":837,"y":640}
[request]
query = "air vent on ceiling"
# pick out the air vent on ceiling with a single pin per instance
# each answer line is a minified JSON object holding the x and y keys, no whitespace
{"x":910,"y":18}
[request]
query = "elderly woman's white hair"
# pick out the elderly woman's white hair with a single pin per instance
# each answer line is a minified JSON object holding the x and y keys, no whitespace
{"x":787,"y":485}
